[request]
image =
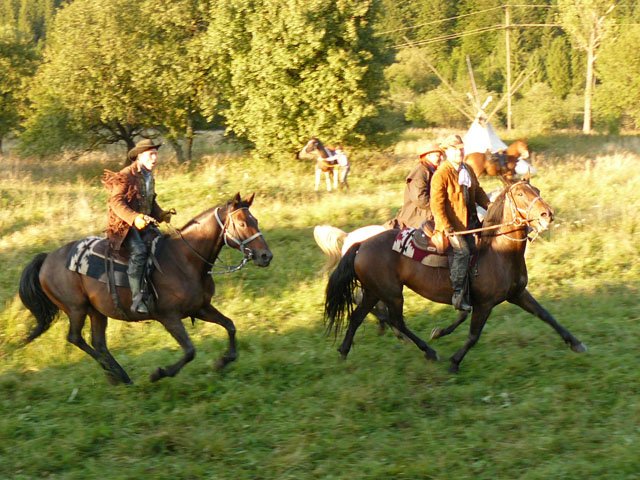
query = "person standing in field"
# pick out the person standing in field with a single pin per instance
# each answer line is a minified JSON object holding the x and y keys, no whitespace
{"x":343,"y":166}
{"x":133,"y":213}
{"x":417,"y":191}
{"x":455,"y":190}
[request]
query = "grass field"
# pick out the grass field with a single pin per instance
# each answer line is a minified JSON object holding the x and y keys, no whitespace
{"x":522,"y":406}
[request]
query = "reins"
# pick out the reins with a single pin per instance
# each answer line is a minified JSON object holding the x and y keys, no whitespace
{"x":521,"y":218}
{"x":247,"y":254}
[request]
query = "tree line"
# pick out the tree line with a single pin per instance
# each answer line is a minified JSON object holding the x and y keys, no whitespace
{"x":78,"y":74}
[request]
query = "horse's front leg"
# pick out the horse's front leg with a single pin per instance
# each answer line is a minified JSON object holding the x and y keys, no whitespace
{"x":438,"y":332}
{"x":526,"y":301}
{"x":211,"y":314}
{"x":176,"y":328}
{"x":327,"y":177}
{"x":318,"y":174}
{"x":478,"y":320}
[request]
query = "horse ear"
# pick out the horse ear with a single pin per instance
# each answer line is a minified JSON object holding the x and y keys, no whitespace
{"x":236,"y":198}
{"x":249,"y":199}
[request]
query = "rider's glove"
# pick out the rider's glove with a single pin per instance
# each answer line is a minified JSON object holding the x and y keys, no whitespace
{"x":141,"y":221}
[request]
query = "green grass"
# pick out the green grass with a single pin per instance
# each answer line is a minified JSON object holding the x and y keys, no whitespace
{"x":522,"y":406}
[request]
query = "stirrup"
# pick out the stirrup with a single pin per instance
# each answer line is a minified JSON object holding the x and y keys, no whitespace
{"x":138,"y":305}
{"x":459,"y":303}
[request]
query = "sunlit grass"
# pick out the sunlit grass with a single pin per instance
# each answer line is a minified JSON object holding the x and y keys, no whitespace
{"x":523,"y":406}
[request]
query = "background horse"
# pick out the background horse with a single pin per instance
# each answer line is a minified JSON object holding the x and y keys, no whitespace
{"x":501,"y":275}
{"x":183,"y":282}
{"x":314,"y":149}
{"x":516,"y":162}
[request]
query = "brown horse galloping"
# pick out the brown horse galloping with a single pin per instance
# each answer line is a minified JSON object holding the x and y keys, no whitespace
{"x":184,"y":285}
{"x":484,"y":164}
{"x":501,"y":275}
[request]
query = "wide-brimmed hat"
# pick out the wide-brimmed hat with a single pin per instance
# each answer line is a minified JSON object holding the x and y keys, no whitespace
{"x":452,"y":141}
{"x":430,"y":148}
{"x":142,"y":146}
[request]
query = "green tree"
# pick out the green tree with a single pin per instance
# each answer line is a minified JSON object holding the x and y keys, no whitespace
{"x":295,"y":69}
{"x":558,"y":66}
{"x":588,"y":22}
{"x":18,"y":61}
{"x":112,"y":75}
{"x":619,"y":72}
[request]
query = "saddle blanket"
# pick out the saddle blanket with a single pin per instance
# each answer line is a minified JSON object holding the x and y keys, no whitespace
{"x":89,"y":257}
{"x":406,"y":245}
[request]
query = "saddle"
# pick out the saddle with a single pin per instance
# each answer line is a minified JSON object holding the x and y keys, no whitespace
{"x":415,"y":244}
{"x":91,"y":256}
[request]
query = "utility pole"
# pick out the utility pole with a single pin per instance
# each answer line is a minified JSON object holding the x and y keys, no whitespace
{"x":507,"y":24}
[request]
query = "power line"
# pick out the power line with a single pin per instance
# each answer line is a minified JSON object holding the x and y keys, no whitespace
{"x":460,"y":16}
{"x":439,"y":21}
{"x":450,"y":36}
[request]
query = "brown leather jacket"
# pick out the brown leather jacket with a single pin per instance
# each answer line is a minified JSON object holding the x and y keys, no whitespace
{"x":447,"y":199}
{"x":128,"y":197}
{"x":417,"y":191}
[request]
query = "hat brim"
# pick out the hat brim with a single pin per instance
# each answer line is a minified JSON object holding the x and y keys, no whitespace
{"x":424,"y":154}
{"x":135,"y":151}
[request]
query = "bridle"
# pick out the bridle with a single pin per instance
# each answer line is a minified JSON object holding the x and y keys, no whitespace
{"x":227,"y":237}
{"x":520,"y":216}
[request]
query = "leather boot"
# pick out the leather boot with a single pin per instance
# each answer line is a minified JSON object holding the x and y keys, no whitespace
{"x":458,"y":272}
{"x":135,"y":275}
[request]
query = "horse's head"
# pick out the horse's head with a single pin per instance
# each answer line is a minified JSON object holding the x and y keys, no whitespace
{"x":311,"y":150}
{"x":528,"y":207}
{"x":519,"y":149}
{"x":242,"y":233}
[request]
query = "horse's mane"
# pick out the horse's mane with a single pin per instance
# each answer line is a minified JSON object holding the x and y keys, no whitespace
{"x":494,"y":215}
{"x":197,"y":220}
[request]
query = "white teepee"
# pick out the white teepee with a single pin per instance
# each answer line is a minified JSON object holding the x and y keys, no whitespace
{"x":482,"y":137}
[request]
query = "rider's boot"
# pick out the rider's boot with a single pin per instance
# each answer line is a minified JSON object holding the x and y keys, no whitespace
{"x":135,"y":272}
{"x":459,"y":281}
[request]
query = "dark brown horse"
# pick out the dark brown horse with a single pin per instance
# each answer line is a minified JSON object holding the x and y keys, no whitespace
{"x":183,"y":282}
{"x":501,"y":275}
{"x":314,"y":149}
{"x":486,"y":164}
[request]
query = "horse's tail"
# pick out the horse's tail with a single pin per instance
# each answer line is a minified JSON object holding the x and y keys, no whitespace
{"x":330,"y":240}
{"x":34,"y":298}
{"x":339,"y":298}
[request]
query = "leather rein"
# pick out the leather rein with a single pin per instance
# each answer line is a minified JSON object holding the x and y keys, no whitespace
{"x":520,"y":219}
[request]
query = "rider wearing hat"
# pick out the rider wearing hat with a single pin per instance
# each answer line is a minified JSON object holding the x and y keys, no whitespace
{"x":134,"y":212}
{"x":454,"y":193}
{"x":417,"y":191}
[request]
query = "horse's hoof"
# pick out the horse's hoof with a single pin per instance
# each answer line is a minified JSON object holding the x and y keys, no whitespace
{"x":579,"y":348}
{"x":433,"y":356}
{"x":436,"y":333}
{"x":454,"y":368}
{"x":157,"y":375}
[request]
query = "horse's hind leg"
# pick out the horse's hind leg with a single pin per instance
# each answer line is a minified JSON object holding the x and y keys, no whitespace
{"x":211,"y":314}
{"x":441,"y":332}
{"x":526,"y":301}
{"x":176,"y":328}
{"x":396,"y":319}
{"x":318,"y":175}
{"x":115,"y":373}
{"x":77,"y":319}
{"x":355,"y":320}
{"x":478,"y":320}
{"x":327,"y":177}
